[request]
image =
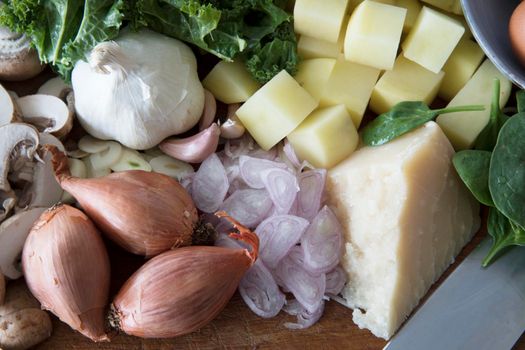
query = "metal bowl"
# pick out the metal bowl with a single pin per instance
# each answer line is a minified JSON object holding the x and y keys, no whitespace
{"x":489,"y":21}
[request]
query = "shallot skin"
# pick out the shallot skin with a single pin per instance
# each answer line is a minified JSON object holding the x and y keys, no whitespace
{"x":179,"y":291}
{"x":146,"y":213}
{"x":66,"y":267}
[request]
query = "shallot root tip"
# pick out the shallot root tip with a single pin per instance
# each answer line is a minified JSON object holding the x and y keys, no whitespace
{"x":60,"y":164}
{"x":244,"y":235}
{"x":113,"y":318}
{"x":204,"y":234}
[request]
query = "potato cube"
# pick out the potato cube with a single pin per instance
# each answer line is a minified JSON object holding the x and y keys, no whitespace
{"x":314,"y":48}
{"x":230,"y":82}
{"x":463,"y":128}
{"x":319,"y":19}
{"x":408,"y":81}
{"x":276,"y":109}
{"x":453,"y":6}
{"x":413,"y":7}
{"x":373,"y":34}
{"x":326,"y":137}
{"x":461,"y":65}
{"x":313,"y":75}
{"x":350,"y":84}
{"x":432,"y":39}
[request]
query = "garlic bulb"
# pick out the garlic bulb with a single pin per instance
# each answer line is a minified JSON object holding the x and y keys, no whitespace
{"x":138,"y":90}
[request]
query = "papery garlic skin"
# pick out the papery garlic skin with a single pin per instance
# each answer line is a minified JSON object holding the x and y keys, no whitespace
{"x":138,"y":90}
{"x":66,"y":267}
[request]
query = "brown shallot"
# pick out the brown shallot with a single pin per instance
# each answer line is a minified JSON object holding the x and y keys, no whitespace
{"x":66,"y":267}
{"x":180,"y":291}
{"x":146,"y":213}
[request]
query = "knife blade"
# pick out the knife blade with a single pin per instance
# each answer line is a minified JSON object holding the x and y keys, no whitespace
{"x":474,"y":308}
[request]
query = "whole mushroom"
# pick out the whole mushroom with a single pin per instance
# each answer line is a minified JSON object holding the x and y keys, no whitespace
{"x":18,"y":60}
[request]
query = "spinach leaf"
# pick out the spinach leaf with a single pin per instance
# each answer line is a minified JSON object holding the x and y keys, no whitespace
{"x":520,"y":101}
{"x":505,"y":234}
{"x":486,"y":140}
{"x":404,"y":117}
{"x":507,"y":170}
{"x":473,"y":168}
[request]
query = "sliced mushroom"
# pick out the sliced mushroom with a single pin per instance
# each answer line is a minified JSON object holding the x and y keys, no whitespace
{"x":18,"y":61}
{"x":2,"y":288}
{"x":48,"y":113}
{"x":44,"y":190}
{"x":8,"y":202}
{"x":13,"y":234}
{"x":55,"y":87}
{"x":8,"y":112}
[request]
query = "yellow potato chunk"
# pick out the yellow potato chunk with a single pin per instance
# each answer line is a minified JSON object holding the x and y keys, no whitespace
{"x":460,"y":67}
{"x":373,"y":34}
{"x":326,"y":137}
{"x":319,"y":19}
{"x":432,"y":39}
{"x":230,"y":82}
{"x":350,"y":84}
{"x":453,"y":6}
{"x":413,"y":7}
{"x":463,"y":128}
{"x":308,"y":47}
{"x":276,"y":109}
{"x":313,"y":75}
{"x":408,"y":81}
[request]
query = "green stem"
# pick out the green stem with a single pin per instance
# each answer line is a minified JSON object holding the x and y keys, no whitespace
{"x":455,"y":109}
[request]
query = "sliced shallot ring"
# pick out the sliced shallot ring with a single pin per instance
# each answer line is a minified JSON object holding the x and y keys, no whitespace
{"x":277,"y":235}
{"x":322,"y":241}
{"x":260,"y":292}
{"x":238,"y":147}
{"x":209,"y":112}
{"x":251,"y":170}
{"x":250,"y":207}
{"x":290,"y":154}
{"x":193,"y":149}
{"x":309,"y":290}
{"x":210,"y":185}
{"x":282,"y":186}
{"x":335,"y":281}
{"x":308,"y":201}
{"x":305,"y":319}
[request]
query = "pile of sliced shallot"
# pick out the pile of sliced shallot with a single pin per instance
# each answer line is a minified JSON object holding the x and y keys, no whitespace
{"x":282,"y":199}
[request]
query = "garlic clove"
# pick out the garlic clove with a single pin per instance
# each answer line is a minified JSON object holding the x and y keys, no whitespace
{"x":131,"y":160}
{"x":174,"y":168}
{"x":108,"y":157}
{"x":90,"y":144}
{"x":92,"y":172}
{"x":232,"y":129}
{"x":193,"y":149}
{"x":78,"y":169}
{"x":210,"y":111}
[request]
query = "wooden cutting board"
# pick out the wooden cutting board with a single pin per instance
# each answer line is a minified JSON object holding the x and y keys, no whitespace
{"x":236,"y":327}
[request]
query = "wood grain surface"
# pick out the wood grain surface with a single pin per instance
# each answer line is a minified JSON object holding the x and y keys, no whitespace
{"x":236,"y":327}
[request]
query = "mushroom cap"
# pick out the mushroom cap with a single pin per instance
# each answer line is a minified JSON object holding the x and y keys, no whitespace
{"x":55,"y":87}
{"x":18,"y":61}
{"x":48,"y":113}
{"x":13,"y":234}
{"x":7,"y":107}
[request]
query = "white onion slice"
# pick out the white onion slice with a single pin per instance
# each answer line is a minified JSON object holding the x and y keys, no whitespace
{"x":251,"y":170}
{"x":308,"y":201}
{"x":260,"y":292}
{"x":249,"y":206}
{"x":322,"y":241}
{"x":309,"y":290}
{"x":282,"y":187}
{"x":305,"y":319}
{"x":210,"y":185}
{"x":277,"y":235}
{"x":335,"y":281}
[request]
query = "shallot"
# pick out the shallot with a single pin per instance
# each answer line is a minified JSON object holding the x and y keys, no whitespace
{"x":180,"y":291}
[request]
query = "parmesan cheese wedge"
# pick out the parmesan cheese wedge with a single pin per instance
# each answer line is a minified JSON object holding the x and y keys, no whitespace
{"x":406,"y":215}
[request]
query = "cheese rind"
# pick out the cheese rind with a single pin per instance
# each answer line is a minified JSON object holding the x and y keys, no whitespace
{"x":406,"y":215}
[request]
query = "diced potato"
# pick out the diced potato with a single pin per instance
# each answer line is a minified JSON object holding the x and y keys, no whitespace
{"x":460,"y":67}
{"x":326,"y":137}
{"x":373,"y":34}
{"x":463,"y":128}
{"x":432,"y":39}
{"x":413,"y":7}
{"x":313,"y":75}
{"x":320,"y":19}
{"x":453,"y":6}
{"x":314,"y":48}
{"x":350,"y":84}
{"x":276,"y":109}
{"x":230,"y":82}
{"x":408,"y":81}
